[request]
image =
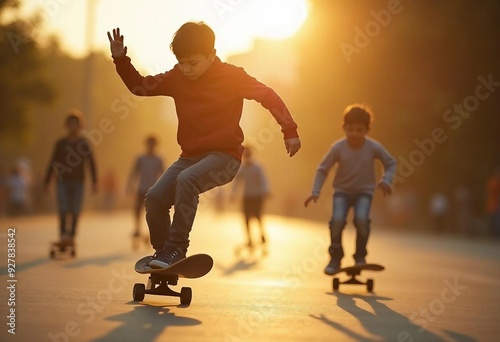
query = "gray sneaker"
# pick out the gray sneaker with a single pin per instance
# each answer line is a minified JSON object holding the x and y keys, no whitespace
{"x":333,"y":267}
{"x":146,"y":264}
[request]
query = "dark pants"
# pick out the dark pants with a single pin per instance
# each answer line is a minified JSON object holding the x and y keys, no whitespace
{"x":69,"y":201}
{"x":139,"y":205}
{"x":361,"y":204}
{"x":180,"y":186}
{"x":252,"y":207}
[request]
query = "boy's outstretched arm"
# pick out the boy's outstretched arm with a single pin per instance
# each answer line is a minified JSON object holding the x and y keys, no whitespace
{"x":116,"y":44}
{"x":390,"y":168}
{"x":329,"y":160}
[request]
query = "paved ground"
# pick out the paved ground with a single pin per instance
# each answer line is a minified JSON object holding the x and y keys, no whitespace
{"x":434,"y":288}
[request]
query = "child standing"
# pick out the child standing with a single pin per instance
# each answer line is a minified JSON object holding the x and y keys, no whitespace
{"x":256,"y":189}
{"x":17,"y":186}
{"x":208,"y":96}
{"x":148,"y":167}
{"x":354,"y":182}
{"x":70,"y":155}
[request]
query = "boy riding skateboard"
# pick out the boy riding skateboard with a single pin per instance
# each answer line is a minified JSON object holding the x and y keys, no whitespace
{"x":354,"y":182}
{"x":69,"y":157}
{"x":208,"y":96}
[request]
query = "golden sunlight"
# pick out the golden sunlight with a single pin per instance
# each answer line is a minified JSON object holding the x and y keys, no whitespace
{"x":149,"y":25}
{"x":275,"y":19}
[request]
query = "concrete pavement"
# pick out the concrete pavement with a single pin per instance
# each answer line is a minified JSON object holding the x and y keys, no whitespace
{"x":433,"y":288}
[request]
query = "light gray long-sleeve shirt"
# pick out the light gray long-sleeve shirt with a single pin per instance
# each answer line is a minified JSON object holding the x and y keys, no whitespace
{"x":356,"y":170}
{"x":254,"y":180}
{"x":148,"y":168}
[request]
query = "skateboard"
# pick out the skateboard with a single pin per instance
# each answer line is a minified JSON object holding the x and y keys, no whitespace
{"x":353,"y":271}
{"x":194,"y":266}
{"x":65,"y":246}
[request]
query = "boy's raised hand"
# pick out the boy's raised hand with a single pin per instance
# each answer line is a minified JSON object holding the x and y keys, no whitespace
{"x":116,"y":44}
{"x":292,"y":146}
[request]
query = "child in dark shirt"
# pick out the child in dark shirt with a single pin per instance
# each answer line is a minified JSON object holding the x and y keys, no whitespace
{"x":70,"y":155}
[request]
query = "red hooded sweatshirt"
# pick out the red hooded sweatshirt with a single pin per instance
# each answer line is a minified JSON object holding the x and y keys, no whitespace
{"x":209,"y":108}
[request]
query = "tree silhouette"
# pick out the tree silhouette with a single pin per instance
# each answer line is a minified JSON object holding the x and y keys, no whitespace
{"x":23,"y":78}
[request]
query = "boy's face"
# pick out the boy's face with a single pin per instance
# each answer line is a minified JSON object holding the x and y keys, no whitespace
{"x":355,"y":133}
{"x":151,"y":144}
{"x":73,"y":127}
{"x":194,"y":66}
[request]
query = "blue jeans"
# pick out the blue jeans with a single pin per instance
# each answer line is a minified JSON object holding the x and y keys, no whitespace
{"x":69,"y":201}
{"x":361,"y":204}
{"x":180,"y":186}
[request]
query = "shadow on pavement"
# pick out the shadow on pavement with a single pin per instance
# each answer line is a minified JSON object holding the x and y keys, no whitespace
{"x":383,"y":323}
{"x":145,"y":323}
{"x":97,"y":261}
{"x":459,"y":337}
{"x":240,"y":265}
{"x":25,"y":265}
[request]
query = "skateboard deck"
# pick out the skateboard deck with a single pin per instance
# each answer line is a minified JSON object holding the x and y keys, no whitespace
{"x":66,"y":246}
{"x":354,"y":271}
{"x":194,"y":266}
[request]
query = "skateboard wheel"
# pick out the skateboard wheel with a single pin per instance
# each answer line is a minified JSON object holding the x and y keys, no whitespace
{"x":139,"y":292}
{"x":369,"y":285}
{"x":336,"y":284}
{"x":186,"y":295}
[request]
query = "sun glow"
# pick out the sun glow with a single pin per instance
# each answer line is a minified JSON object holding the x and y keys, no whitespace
{"x":148,"y":25}
{"x":277,"y":19}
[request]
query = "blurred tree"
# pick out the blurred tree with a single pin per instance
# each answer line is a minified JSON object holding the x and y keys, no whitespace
{"x":23,"y":78}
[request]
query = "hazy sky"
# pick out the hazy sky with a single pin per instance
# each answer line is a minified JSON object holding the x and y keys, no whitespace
{"x":148,"y":25}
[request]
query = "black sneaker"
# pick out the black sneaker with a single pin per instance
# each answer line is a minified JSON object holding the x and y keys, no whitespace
{"x":333,"y":267}
{"x":166,"y":257}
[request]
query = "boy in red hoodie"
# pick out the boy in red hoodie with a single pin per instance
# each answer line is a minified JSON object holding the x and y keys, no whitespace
{"x":208,"y":96}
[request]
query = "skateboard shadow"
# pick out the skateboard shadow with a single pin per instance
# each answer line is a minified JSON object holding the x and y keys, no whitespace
{"x":383,"y":322}
{"x":97,"y":261}
{"x":240,"y":265}
{"x":144,"y":323}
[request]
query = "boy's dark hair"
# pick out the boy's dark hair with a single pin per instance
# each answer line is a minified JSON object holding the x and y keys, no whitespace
{"x":193,"y":38}
{"x":75,"y":115}
{"x":357,"y":113}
